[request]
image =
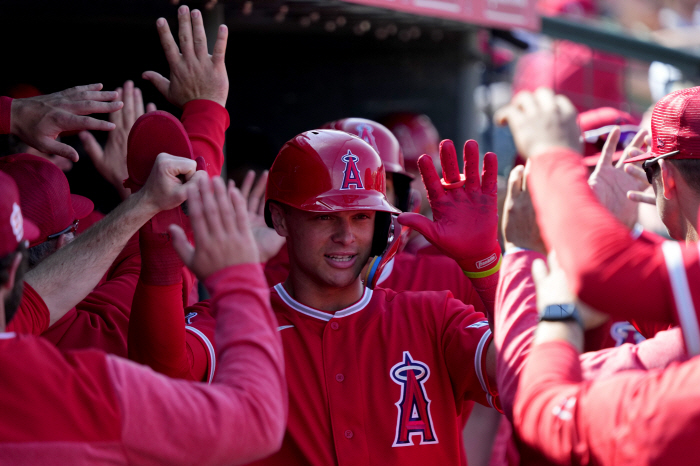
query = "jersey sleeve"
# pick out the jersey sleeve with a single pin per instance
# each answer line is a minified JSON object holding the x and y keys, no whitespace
{"x":241,"y":417}
{"x":5,"y":114}
{"x":101,"y":320}
{"x":466,"y":337}
{"x":635,"y":280}
{"x":32,"y":316}
{"x":206,"y":122}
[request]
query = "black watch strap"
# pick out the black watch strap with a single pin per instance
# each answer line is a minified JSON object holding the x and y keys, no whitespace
{"x":566,"y":312}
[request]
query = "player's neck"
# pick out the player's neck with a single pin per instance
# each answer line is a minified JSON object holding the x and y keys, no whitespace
{"x":323,"y":298}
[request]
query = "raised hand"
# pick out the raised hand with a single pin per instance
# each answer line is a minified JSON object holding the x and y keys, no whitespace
{"x":222,"y":233}
{"x":194,"y":74}
{"x":110,"y":162}
{"x":39,"y":120}
{"x":540,"y":122}
{"x":268,"y":241}
{"x":612,"y":183}
{"x":465,"y":211}
{"x":520,"y":227}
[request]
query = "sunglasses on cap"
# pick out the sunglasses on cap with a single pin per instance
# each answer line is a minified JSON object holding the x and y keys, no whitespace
{"x":72,"y":228}
{"x":627,"y":133}
{"x":647,"y":164}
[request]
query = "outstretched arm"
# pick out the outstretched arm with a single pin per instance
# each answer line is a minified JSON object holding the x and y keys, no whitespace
{"x":39,"y":120}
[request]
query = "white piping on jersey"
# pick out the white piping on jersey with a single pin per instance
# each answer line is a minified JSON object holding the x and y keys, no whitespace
{"x":7,"y":335}
{"x":477,"y":364}
{"x":681,"y":294}
{"x":282,"y":327}
{"x":481,"y":323}
{"x":388,"y":268}
{"x":210,"y":347}
{"x":311,"y":312}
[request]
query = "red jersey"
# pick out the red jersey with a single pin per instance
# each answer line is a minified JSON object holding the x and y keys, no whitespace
{"x":382,"y":381}
{"x":84,"y":407}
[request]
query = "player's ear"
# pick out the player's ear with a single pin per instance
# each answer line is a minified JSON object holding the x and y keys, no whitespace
{"x":279,"y":219}
{"x":668,"y":176}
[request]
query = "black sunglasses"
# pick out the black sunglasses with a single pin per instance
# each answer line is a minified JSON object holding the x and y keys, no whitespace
{"x":73,"y":227}
{"x":649,"y":163}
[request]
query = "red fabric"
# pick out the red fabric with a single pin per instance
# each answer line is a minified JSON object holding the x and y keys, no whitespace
{"x":606,"y":267}
{"x":277,"y":268}
{"x":5,"y":114}
{"x":161,"y":265}
{"x":206,"y":123}
{"x":343,"y":410}
{"x":101,"y":320}
{"x":84,"y":408}
{"x":33,"y":316}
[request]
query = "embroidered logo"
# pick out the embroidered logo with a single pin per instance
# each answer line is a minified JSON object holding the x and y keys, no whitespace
{"x":486,"y":262}
{"x":659,"y":143}
{"x":351,"y":174}
{"x":624,"y":332}
{"x":414,"y":405}
{"x":16,"y":222}
{"x":364,"y":131}
{"x":189,"y":317}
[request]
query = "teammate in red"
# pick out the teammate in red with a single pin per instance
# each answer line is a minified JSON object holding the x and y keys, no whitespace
{"x":85,"y":407}
{"x":651,"y":412}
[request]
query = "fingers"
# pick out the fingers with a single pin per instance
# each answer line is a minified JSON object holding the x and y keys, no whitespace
{"x":248,"y":184}
{"x":448,"y":161}
{"x":50,"y":146}
{"x":220,"y":45}
{"x":199,"y":37}
{"x":226,"y":213}
{"x":195,"y":211}
{"x":138,"y":105}
{"x":92,"y":147}
{"x":637,"y":173}
{"x":161,"y":83}
{"x":539,"y":273}
{"x":638,"y":196}
{"x":239,"y":205}
{"x":98,"y":96}
{"x":77,"y":89}
{"x":430,"y":178}
{"x":471,"y":166}
{"x":605,"y":159}
{"x":86,"y":107}
{"x":79,"y":123}
{"x":489,"y":177}
{"x":211,"y":207}
{"x":182,"y":246}
{"x":257,"y":196}
{"x":515,"y":182}
{"x":128,"y":110}
{"x":151,"y":107}
{"x":167,"y":41}
{"x":639,"y":139}
{"x":419,"y":223}
{"x":185,"y":32}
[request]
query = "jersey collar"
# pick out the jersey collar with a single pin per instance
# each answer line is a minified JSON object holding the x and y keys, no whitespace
{"x":311,"y":312}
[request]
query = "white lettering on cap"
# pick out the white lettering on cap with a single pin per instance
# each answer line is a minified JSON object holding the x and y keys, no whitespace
{"x":16,"y":222}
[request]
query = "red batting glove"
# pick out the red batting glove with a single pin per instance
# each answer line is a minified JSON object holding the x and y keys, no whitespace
{"x":465,"y":211}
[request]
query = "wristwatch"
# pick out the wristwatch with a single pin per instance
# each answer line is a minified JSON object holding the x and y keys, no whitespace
{"x":566,"y":312}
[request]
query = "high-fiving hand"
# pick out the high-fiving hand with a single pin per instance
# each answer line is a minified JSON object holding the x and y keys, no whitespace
{"x":268,"y":241}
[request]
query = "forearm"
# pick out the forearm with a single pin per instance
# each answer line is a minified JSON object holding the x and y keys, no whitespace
{"x":606,"y":268}
{"x":5,"y":114}
{"x":72,"y":272}
{"x":206,"y":123}
{"x":238,"y":419}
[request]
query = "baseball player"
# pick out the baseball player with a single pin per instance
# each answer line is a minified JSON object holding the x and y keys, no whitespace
{"x":84,"y":407}
{"x":414,"y":355}
{"x":651,"y":413}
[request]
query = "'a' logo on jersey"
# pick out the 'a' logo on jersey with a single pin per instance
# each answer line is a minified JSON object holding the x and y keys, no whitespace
{"x":365,"y":132}
{"x":351,"y":174}
{"x":414,"y":405}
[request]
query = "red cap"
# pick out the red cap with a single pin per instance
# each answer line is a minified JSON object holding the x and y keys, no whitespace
{"x":595,"y":126}
{"x":45,"y":195}
{"x":153,"y":133}
{"x":13,"y":228}
{"x":416,"y":134}
{"x":675,"y":127}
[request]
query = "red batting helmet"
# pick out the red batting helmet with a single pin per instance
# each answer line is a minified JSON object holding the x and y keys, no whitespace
{"x":387,"y":146}
{"x":330,"y":171}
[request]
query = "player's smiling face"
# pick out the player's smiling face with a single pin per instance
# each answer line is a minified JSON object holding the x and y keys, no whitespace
{"x":331,"y":248}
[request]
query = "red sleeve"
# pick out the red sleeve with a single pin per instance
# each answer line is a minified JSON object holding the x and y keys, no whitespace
{"x":466,"y":337}
{"x":32,"y":316}
{"x":206,"y":122}
{"x":486,"y":287}
{"x":606,"y":267}
{"x":5,"y":114}
{"x":514,"y":322}
{"x":101,"y":320}
{"x":241,"y":417}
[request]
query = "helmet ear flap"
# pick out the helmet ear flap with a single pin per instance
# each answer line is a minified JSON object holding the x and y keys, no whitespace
{"x":382,"y":226}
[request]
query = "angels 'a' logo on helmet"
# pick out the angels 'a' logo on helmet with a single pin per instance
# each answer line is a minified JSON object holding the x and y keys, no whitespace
{"x":351,"y":174}
{"x":365,"y":132}
{"x":414,"y":405}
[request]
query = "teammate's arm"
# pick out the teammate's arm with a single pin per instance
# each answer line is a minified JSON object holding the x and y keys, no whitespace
{"x":66,"y":277}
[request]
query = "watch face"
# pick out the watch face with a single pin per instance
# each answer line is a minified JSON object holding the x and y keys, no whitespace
{"x":560,"y":311}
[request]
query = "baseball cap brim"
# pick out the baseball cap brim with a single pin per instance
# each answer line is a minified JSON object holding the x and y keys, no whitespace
{"x":82,"y":206}
{"x":642,"y":157}
{"x":360,"y":199}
